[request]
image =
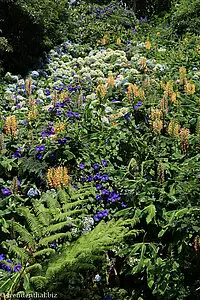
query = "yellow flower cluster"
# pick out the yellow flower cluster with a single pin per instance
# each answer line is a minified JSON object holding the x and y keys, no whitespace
{"x":118,"y":42}
{"x":157,"y":123}
{"x":101,"y":89}
{"x":173,"y":128}
{"x":32,"y":114}
{"x":184,"y":138}
{"x":148,"y":45}
{"x":189,"y":88}
{"x":11,"y":125}
{"x":111,"y":81}
{"x":169,"y":91}
{"x":104,"y":40}
{"x":28,"y":84}
{"x":143,"y":62}
{"x":134,"y":91}
{"x":60,"y":127}
{"x":182,"y":74}
{"x":58,"y":177}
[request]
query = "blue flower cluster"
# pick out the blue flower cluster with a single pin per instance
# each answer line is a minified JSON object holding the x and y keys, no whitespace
{"x":17,"y":153}
{"x":48,"y":131}
{"x":39,"y":150}
{"x":8,"y":265}
{"x":100,"y":215}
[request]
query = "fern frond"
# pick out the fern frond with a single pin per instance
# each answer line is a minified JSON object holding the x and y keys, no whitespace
{"x":38,"y":282}
{"x":62,"y":196}
{"x":12,"y":247}
{"x":41,"y":212}
{"x":32,"y":221}
{"x":59,"y":226}
{"x":47,"y":251}
{"x":24,"y":235}
{"x":50,"y":239}
{"x":36,"y":267}
{"x":93,"y":243}
{"x":68,"y":214}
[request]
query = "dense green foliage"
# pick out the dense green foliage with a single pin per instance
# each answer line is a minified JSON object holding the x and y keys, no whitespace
{"x":99,"y":161}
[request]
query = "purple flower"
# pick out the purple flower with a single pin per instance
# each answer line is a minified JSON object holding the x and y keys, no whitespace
{"x":105,"y":192}
{"x":54,"y":245}
{"x":90,"y":178}
{"x":123,"y":204}
{"x":98,"y":186}
{"x":83,"y":179}
{"x":96,"y":166}
{"x":107,"y":298}
{"x":105,"y":213}
{"x":127,"y":116}
{"x":98,"y":197}
{"x":2,"y":257}
{"x":81,"y":166}
{"x":138,"y":105}
{"x":96,"y":219}
{"x":39,"y":156}
{"x":17,"y":267}
{"x":113,"y":196}
{"x":104,"y":163}
{"x":97,"y":176}
{"x":16,"y":154}
{"x":75,"y":187}
{"x":105,"y":177}
{"x":6,"y":191}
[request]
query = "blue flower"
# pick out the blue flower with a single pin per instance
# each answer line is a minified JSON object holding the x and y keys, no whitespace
{"x":104,"y":163}
{"x":127,"y":116}
{"x":96,"y":166}
{"x":96,"y":219}
{"x":81,"y":166}
{"x":34,"y":74}
{"x":98,"y":186}
{"x":17,"y":267}
{"x":6,"y":191}
{"x":90,"y":178}
{"x":2,"y":257}
{"x":107,"y":298}
{"x":105,"y":177}
{"x":40,"y":148}
{"x":97,"y":176}
{"x":98,"y":197}
{"x":138,"y":105}
{"x":54,"y":245}
{"x":39,"y":156}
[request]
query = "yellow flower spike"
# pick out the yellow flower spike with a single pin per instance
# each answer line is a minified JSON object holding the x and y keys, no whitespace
{"x":182,"y":74}
{"x":169,"y":89}
{"x":189,"y":88}
{"x":143,"y":62}
{"x":58,"y":177}
{"x":118,"y":42}
{"x":157,"y":125}
{"x":101,"y":89}
{"x":11,"y":125}
{"x":28,"y":84}
{"x":173,"y":128}
{"x":173,"y":98}
{"x":184,"y":139}
{"x":111,"y":81}
{"x":148,"y":45}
